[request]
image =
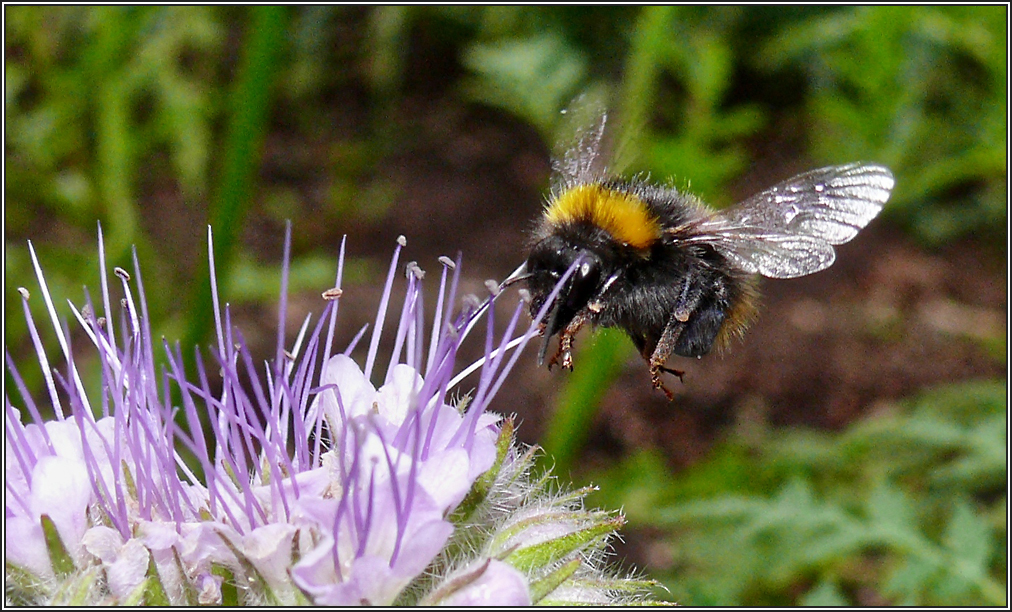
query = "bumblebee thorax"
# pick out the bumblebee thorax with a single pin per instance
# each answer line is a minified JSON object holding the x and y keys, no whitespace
{"x":625,"y":217}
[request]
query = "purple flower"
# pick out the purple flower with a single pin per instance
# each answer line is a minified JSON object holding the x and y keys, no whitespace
{"x":303,"y":482}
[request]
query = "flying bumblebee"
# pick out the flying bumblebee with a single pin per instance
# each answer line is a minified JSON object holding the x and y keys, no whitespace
{"x":675,"y":275}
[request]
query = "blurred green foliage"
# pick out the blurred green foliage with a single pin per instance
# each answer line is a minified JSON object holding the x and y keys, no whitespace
{"x":145,"y":117}
{"x":924,"y":88}
{"x":910,"y":505}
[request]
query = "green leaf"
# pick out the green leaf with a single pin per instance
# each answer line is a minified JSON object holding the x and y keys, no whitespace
{"x":544,"y":587}
{"x":22,"y":587}
{"x":969,"y":539}
{"x":533,"y":77}
{"x":62,"y":562}
{"x":154,"y":591}
{"x":891,"y":512}
{"x":826,"y":594}
{"x":531,"y":558}
{"x":253,"y":578}
{"x":481,"y":487}
{"x":229,"y":588}
{"x":909,"y":580}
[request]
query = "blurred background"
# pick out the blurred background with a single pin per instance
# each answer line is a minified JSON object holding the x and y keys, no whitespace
{"x":851,"y":450}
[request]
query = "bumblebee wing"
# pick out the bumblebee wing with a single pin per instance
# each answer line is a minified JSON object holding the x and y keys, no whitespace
{"x":579,"y":158}
{"x":788,"y":230}
{"x":831,"y":203}
{"x":771,"y":254}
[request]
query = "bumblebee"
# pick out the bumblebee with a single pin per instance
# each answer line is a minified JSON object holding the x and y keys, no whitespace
{"x":677,"y":276}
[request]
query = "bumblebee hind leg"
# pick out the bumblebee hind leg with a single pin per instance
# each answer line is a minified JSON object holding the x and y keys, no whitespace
{"x":665,"y":346}
{"x":671,"y":339}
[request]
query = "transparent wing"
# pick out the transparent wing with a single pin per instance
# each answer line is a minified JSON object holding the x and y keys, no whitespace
{"x":592,"y":143}
{"x":579,"y":157}
{"x":788,"y":230}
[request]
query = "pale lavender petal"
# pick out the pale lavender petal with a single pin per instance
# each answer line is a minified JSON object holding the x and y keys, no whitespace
{"x":209,"y":589}
{"x":445,"y":477}
{"x":377,"y":550}
{"x":103,"y":542}
{"x":128,"y":570}
{"x":157,"y":535}
{"x":270,"y":549}
{"x":25,"y":545}
{"x":483,"y":452}
{"x":356,"y":392}
{"x":370,"y":583}
{"x":399,"y":395}
{"x":61,"y":489}
{"x":125,"y":563}
{"x":499,"y":585}
{"x":165,"y":543}
{"x":315,"y":511}
{"x":370,"y":580}
{"x":202,"y":544}
{"x":422,"y":543}
{"x":315,"y":572}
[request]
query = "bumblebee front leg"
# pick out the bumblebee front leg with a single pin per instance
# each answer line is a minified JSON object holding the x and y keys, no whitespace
{"x":564,"y":355}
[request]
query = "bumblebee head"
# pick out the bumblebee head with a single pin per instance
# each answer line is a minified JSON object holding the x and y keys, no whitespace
{"x":548,"y":262}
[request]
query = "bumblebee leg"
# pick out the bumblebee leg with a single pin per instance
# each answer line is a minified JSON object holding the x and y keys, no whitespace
{"x":554,"y":359}
{"x":665,"y":346}
{"x":679,"y":373}
{"x":563,"y":355}
{"x":566,"y":340}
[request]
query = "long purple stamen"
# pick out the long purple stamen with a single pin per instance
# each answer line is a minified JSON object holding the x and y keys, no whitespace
{"x":19,"y":444}
{"x":60,"y":335}
{"x":410,"y":303}
{"x":283,"y":306}
{"x":254,"y":448}
{"x":381,"y":313}
{"x":436,"y":337}
{"x":333,"y":313}
{"x":40,"y":352}
{"x":29,"y":403}
{"x":107,"y":311}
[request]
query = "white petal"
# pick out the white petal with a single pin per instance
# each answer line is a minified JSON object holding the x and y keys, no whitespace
{"x":356,"y":392}
{"x":61,"y":489}
{"x":500,"y":585}
{"x":103,"y":542}
{"x":128,"y":571}
{"x":270,"y":549}
{"x":25,"y":545}
{"x":395,"y":398}
{"x":445,"y":476}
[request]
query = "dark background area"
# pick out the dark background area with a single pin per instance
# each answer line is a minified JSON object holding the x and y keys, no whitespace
{"x":864,"y":381}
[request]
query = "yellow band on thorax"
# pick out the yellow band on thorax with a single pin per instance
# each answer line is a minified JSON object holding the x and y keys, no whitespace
{"x":622,"y":215}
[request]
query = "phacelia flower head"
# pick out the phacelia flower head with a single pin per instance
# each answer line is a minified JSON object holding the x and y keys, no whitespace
{"x":293,"y":481}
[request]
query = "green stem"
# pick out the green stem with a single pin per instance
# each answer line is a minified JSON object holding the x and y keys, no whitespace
{"x":595,"y":368}
{"x":249,"y":110}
